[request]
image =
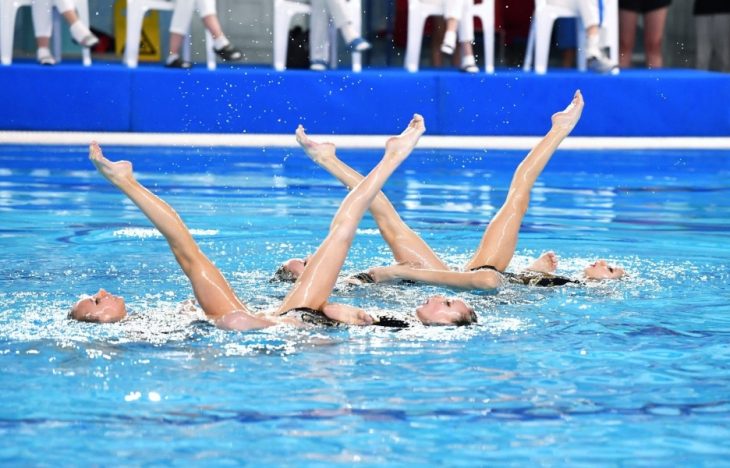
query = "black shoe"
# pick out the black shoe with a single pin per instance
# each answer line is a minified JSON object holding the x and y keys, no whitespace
{"x":229,"y":53}
{"x":179,"y":63}
{"x":359,"y":45}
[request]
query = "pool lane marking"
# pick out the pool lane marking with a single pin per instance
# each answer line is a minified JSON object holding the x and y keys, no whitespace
{"x":354,"y":141}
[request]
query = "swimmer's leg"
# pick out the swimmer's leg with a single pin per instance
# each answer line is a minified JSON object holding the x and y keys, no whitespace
{"x":500,"y":238}
{"x":318,"y":279}
{"x":211,"y":290}
{"x":406,"y":245}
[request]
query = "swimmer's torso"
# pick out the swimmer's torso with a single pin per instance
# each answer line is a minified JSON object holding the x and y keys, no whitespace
{"x":532,"y":278}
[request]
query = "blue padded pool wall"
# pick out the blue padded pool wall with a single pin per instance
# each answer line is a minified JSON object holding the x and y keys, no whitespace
{"x":110,"y":97}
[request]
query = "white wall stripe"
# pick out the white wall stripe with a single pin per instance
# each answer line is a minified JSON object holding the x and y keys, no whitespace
{"x":353,"y":141}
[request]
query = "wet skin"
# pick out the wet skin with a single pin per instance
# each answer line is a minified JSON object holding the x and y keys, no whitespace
{"x":600,"y":269}
{"x":102,"y":307}
{"x":440,"y":310}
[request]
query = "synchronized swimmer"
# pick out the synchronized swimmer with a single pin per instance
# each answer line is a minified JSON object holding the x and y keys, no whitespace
{"x":417,"y":262}
{"x":308,"y":296}
{"x":315,"y":276}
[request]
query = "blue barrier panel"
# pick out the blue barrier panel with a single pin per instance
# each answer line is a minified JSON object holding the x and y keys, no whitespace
{"x":264,"y":101}
{"x":633,"y":103}
{"x":109,"y":97}
{"x":64,"y":97}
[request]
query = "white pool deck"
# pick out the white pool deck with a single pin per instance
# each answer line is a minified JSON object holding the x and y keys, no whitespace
{"x":353,"y":141}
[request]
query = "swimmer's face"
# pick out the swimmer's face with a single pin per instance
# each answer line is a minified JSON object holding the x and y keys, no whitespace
{"x":440,"y":310}
{"x":600,"y":270}
{"x":102,"y":307}
{"x":291,"y":270}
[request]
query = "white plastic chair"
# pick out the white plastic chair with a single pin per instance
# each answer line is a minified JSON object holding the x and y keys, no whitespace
{"x":285,"y":10}
{"x":8,"y":13}
{"x":420,"y":10}
{"x":136,"y":9}
{"x":541,"y":28}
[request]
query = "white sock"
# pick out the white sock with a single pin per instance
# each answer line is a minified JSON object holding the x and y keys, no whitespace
{"x":450,"y":39}
{"x":468,"y":61}
{"x":592,"y":48}
{"x":220,"y":42}
{"x":45,"y":57}
{"x":171,"y":58}
{"x":348,"y":33}
{"x":79,"y":31}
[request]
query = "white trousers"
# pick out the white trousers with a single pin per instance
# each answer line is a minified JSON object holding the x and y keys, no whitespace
{"x":324,"y":11}
{"x":460,"y":10}
{"x":183,"y":14}
{"x":588,"y":10}
{"x":466,"y":19}
{"x":42,"y":13}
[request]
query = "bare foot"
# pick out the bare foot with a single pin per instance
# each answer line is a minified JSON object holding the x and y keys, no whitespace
{"x":115,"y":172}
{"x":403,"y":144}
{"x":545,"y":263}
{"x":566,"y":119}
{"x":317,"y":152}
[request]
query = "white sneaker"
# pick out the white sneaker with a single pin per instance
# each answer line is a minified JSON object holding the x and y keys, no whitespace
{"x":448,"y":46}
{"x":318,"y":65}
{"x":82,"y":35}
{"x":469,"y":64}
{"x":45,"y":57}
{"x":359,"y":45}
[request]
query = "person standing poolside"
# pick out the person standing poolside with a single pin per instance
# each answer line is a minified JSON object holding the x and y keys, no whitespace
{"x":590,"y":14}
{"x":712,"y":26}
{"x":219,"y":302}
{"x":417,"y":261}
{"x":654,"y":15}
{"x":336,"y":12}
{"x":180,"y":25}
{"x":459,"y":19}
{"x":42,"y":13}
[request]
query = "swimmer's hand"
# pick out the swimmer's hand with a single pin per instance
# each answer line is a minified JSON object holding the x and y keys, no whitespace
{"x":347,"y":314}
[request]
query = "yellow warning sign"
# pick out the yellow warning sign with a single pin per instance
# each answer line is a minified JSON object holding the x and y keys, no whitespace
{"x":149,"y":43}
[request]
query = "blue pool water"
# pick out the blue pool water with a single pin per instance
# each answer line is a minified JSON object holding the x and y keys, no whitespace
{"x":629,"y":372}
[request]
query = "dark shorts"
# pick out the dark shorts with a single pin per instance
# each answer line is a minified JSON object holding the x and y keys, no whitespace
{"x":643,"y":6}
{"x":711,"y":7}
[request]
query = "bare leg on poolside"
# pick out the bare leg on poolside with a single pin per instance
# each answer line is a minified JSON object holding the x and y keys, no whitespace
{"x":211,"y":290}
{"x":406,"y":245}
{"x":314,"y":286}
{"x":175,"y":43}
{"x":500,"y":238}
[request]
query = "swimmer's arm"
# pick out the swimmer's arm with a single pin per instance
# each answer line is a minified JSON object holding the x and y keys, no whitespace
{"x":242,"y":321}
{"x":347,"y":314}
{"x":483,"y":279}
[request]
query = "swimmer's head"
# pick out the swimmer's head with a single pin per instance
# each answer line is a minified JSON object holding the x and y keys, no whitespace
{"x":600,"y":269}
{"x":291,"y":270}
{"x":102,"y":307}
{"x":440,"y":310}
